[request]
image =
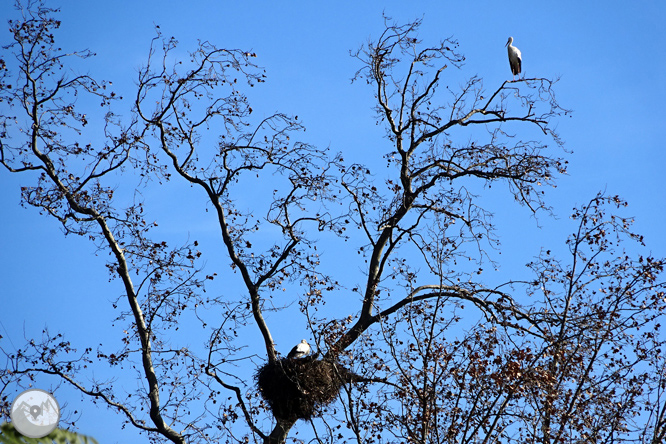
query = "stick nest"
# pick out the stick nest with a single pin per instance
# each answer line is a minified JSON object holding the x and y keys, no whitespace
{"x":297,"y":388}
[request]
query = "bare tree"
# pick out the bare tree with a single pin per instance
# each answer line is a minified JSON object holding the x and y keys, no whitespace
{"x":572,"y":366}
{"x":568,"y":355}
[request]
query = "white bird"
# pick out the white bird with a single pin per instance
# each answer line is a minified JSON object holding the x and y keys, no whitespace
{"x":515,"y":59}
{"x":300,"y":350}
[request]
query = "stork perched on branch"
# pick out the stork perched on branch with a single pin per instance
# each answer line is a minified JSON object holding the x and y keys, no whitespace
{"x":515,"y":58}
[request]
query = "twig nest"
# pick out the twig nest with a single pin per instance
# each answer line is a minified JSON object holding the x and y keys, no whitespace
{"x":297,"y":388}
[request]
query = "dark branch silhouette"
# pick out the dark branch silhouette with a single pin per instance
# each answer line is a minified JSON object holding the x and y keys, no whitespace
{"x":431,"y":351}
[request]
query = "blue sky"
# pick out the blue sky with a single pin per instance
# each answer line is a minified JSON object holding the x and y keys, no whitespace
{"x":610,"y":57}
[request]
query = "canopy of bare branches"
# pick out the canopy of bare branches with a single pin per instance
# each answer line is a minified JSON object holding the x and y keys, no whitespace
{"x":430,"y":352}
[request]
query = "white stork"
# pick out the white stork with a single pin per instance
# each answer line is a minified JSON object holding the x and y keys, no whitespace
{"x":300,"y":350}
{"x":515,"y":59}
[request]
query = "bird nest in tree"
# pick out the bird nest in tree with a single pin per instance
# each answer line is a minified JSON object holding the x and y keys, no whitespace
{"x":297,"y":388}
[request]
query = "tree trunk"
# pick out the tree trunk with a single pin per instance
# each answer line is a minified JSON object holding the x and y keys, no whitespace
{"x":280,"y":431}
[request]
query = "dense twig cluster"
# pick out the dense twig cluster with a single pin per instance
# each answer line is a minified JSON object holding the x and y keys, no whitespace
{"x":298,"y":388}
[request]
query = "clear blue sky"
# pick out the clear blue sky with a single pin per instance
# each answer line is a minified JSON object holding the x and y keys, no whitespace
{"x":611,"y":57}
